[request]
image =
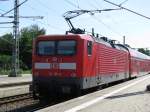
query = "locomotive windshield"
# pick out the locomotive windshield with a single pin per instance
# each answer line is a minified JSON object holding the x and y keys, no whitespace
{"x":46,"y":48}
{"x":64,"y":47}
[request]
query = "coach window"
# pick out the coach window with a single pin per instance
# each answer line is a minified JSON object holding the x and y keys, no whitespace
{"x":89,"y":47}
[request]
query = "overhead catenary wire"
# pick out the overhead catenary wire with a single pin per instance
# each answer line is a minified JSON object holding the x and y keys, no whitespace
{"x":26,"y":17}
{"x":123,"y":2}
{"x":98,"y":20}
{"x":54,"y":27}
{"x":47,"y":24}
{"x":107,"y":26}
{"x":36,"y":10}
{"x":46,"y":15}
{"x":47,"y":7}
{"x":3,"y":0}
{"x":2,"y":10}
{"x":14,"y":8}
{"x":99,"y":5}
{"x":6,"y":22}
{"x":127,"y":9}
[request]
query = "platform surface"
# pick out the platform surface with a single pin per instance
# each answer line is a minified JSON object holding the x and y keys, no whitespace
{"x":130,"y":96}
{"x":13,"y":91}
{"x":4,"y":79}
{"x":10,"y":86}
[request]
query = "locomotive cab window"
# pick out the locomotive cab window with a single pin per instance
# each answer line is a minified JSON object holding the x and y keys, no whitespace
{"x":60,"y":47}
{"x":89,"y":48}
{"x":67,"y":47}
{"x":46,"y":48}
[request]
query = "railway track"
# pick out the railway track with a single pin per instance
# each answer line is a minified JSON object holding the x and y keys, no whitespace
{"x":25,"y":103}
{"x":16,"y":98}
{"x":13,"y":103}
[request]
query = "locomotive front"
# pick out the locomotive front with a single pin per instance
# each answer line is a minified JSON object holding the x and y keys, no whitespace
{"x":57,"y":64}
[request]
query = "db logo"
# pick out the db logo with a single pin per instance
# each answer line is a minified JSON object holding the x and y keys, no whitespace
{"x":54,"y":59}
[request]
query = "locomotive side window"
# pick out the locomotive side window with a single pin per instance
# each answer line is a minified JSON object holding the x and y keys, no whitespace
{"x":89,"y":47}
{"x":46,"y":48}
{"x":66,"y":47}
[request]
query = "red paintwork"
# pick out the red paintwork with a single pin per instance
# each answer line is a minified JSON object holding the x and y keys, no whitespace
{"x":105,"y":60}
{"x":139,"y":65}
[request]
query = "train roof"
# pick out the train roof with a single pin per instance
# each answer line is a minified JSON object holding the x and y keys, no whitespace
{"x":137,"y":54}
{"x":110,"y":43}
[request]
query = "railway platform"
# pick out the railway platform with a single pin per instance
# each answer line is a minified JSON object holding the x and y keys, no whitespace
{"x":10,"y":86}
{"x":129,"y":96}
{"x":9,"y":81}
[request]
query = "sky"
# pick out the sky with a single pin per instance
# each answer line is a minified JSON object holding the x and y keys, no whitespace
{"x":112,"y":24}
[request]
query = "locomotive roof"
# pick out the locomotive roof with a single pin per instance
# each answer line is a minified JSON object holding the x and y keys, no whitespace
{"x":109,"y":43}
{"x":68,"y":36}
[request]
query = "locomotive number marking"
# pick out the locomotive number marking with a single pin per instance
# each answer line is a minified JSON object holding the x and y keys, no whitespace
{"x":54,"y":65}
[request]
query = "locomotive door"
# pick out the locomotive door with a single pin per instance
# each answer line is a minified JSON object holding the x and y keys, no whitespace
{"x":98,"y":77}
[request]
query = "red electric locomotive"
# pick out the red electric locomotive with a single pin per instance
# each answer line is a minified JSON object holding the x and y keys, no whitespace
{"x":70,"y":63}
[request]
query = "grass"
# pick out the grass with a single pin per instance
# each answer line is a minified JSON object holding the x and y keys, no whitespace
{"x":7,"y":72}
{"x":26,"y":71}
{"x":4,"y":72}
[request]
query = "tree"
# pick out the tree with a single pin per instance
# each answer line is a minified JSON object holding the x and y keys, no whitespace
{"x":6,"y":43}
{"x":27,"y":34}
{"x":5,"y":61}
{"x":144,"y":51}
